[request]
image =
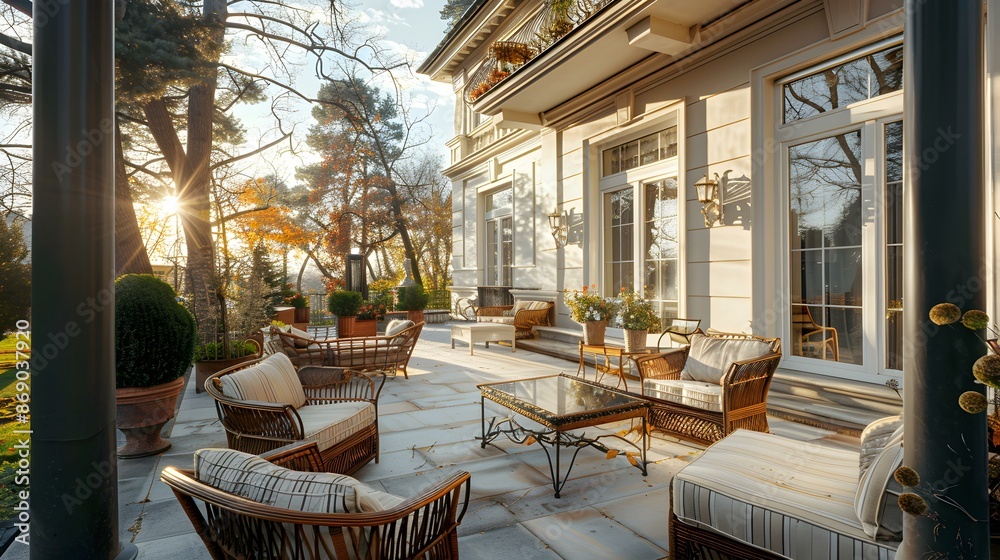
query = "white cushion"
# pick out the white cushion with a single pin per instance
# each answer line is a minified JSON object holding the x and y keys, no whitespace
{"x":536,"y":305}
{"x":397,"y":326}
{"x":519,"y":305}
{"x":272,"y":380}
{"x":330,"y":424}
{"x":706,"y":396}
{"x":303,"y":334}
{"x":709,"y":357}
{"x":777,"y":494}
{"x":876,"y":501}
{"x":507,"y":320}
{"x":874,"y":438}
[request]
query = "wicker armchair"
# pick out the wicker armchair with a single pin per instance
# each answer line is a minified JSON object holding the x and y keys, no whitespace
{"x":523,"y":315}
{"x":348,"y":433}
{"x":232,"y":527}
{"x":701,"y":411}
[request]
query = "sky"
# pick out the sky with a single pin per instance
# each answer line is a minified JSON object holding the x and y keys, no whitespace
{"x":410,"y":29}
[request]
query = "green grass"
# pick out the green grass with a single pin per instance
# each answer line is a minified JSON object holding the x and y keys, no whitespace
{"x":8,"y":423}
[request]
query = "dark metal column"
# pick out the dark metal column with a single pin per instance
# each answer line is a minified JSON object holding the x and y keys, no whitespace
{"x":945,"y":262}
{"x":74,"y":497}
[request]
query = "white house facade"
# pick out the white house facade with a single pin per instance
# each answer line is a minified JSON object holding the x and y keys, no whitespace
{"x":606,"y":114}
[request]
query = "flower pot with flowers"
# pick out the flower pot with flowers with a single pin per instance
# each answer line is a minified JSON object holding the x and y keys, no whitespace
{"x":636,"y":316}
{"x":301,"y":305}
{"x":594,"y":311}
{"x":366,"y":322}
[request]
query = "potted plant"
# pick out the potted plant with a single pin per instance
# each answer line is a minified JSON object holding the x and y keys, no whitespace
{"x":154,"y":345}
{"x":301,"y":305}
{"x":344,"y":304}
{"x":366,"y":323}
{"x":587,"y":307}
{"x":636,"y":316}
{"x":413,"y":300}
{"x":212,"y":357}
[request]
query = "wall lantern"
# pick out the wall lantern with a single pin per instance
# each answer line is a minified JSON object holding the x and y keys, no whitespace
{"x":559,"y":223}
{"x":710,"y":198}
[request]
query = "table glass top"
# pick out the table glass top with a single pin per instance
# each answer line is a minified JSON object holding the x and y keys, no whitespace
{"x":562,"y":395}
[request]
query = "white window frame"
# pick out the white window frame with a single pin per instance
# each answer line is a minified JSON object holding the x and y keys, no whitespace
{"x":772,"y":294}
{"x":498,"y":216}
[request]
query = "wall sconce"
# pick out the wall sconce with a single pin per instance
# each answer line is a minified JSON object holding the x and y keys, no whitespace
{"x":559,"y":223}
{"x":710,"y":198}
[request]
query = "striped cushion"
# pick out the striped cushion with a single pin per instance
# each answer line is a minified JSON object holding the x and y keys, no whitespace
{"x":495,"y":319}
{"x":272,"y":380}
{"x":876,"y":501}
{"x":256,"y":479}
{"x":709,"y":357}
{"x":330,"y":424}
{"x":875,"y":436}
{"x":706,"y":396}
{"x":529,"y":305}
{"x":792,"y":498}
{"x":397,"y":326}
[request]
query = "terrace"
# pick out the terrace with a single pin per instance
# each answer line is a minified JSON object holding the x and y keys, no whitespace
{"x":428,"y":427}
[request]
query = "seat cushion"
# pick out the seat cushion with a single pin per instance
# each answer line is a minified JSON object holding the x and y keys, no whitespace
{"x":710,"y":357}
{"x":877,"y":499}
{"x":330,"y":424}
{"x":271,"y":380}
{"x":706,"y":396}
{"x":370,"y":356}
{"x":792,"y":498}
{"x":504,"y":320}
{"x":874,"y":438}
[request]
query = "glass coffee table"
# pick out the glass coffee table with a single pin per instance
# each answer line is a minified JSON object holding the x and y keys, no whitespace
{"x":561,"y":404}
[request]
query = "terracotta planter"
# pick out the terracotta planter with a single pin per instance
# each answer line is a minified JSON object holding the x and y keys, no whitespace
{"x":365,"y":327}
{"x":417,"y":315}
{"x":635,"y":341}
{"x":141,"y":414}
{"x":205,"y":368}
{"x":593,"y":332}
{"x":302,"y":315}
{"x":345,"y":326}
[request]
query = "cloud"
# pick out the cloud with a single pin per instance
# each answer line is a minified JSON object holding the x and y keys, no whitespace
{"x":407,"y":3}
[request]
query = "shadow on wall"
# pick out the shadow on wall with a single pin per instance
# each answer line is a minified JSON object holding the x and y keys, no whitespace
{"x":736,"y":200}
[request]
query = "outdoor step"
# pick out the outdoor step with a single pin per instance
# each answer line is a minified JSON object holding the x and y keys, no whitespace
{"x":826,"y":402}
{"x":562,"y":334}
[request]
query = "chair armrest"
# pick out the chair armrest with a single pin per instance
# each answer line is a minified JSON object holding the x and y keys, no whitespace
{"x":274,"y":420}
{"x":300,"y":456}
{"x":324,"y":385}
{"x":665,"y":365}
{"x":492,"y":311}
{"x":750,"y":370}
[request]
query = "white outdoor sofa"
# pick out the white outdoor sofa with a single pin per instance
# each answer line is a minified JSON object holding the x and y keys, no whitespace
{"x":756,"y":496}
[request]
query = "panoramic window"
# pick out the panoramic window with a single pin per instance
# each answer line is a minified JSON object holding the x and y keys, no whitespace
{"x":498,"y":208}
{"x":838,"y":86}
{"x":649,"y":149}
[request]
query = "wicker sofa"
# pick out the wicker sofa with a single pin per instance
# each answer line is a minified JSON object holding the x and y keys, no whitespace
{"x":717,"y":384}
{"x":265,"y":404}
{"x":246,"y":507}
{"x":524,"y":315}
{"x":756,"y":496}
{"x":389,"y":353}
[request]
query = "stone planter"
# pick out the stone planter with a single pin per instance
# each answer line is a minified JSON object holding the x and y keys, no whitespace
{"x":204,"y":368}
{"x":635,"y":340}
{"x":345,"y":326}
{"x":141,"y":414}
{"x":593,"y":332}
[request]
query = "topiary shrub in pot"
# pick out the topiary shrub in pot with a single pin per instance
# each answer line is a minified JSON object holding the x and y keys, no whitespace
{"x":345,"y":305}
{"x":413,"y":300}
{"x":154,"y":346}
{"x":212,"y":358}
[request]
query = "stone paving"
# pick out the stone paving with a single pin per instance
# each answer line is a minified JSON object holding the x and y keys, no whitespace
{"x":428,"y":424}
